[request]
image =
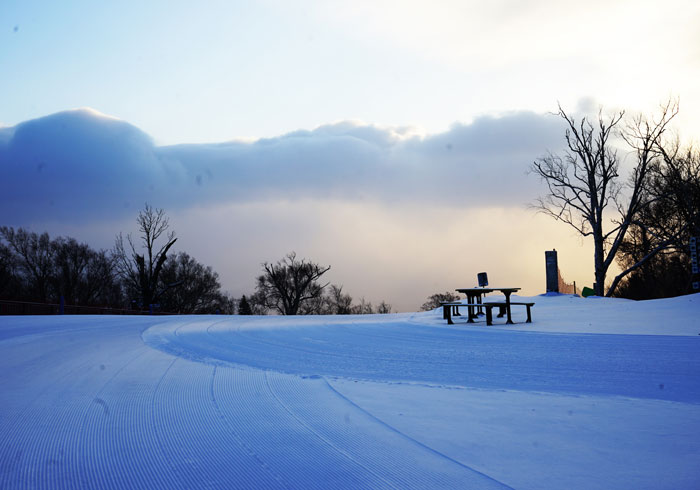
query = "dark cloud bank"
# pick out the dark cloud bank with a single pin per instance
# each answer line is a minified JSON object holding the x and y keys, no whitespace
{"x":80,"y":166}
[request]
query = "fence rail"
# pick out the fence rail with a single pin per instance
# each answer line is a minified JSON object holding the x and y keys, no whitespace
{"x":565,"y":287}
{"x":29,"y":308}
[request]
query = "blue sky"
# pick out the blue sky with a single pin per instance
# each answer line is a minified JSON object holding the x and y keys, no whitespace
{"x":215,"y":71}
{"x":342,"y":118}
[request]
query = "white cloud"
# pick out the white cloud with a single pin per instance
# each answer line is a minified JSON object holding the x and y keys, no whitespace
{"x":487,"y":35}
{"x":509,"y":54}
{"x":80,"y":166}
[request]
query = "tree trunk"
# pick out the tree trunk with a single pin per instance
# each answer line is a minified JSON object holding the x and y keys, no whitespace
{"x":599,"y":265}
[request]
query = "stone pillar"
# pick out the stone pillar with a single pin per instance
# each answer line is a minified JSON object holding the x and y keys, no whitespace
{"x":552,"y":268}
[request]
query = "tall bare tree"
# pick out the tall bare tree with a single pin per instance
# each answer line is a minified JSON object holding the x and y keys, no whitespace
{"x":290,"y":283}
{"x":141,"y":271}
{"x":585,"y":189}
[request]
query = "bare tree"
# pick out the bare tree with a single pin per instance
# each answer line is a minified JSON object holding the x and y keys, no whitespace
{"x":37,"y":268}
{"x":257,"y":304}
{"x":364,"y":307}
{"x":384,"y":308}
{"x":678,"y":188}
{"x":584,"y":185}
{"x":655,"y":251}
{"x":338,"y":303}
{"x":434,"y":300}
{"x":334,"y":302}
{"x":194,"y":287}
{"x":34,"y":258}
{"x":10,"y":280}
{"x":71,"y":261}
{"x":290,"y":283}
{"x":141,"y":272}
{"x":82,"y":275}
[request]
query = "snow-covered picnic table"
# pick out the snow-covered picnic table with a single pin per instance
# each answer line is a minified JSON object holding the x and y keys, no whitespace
{"x":475,"y":302}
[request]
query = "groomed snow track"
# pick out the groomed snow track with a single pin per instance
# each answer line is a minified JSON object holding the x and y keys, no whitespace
{"x":234,"y":402}
{"x":89,"y":405}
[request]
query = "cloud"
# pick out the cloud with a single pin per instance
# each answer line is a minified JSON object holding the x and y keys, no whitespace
{"x":80,"y":165}
{"x":73,"y":165}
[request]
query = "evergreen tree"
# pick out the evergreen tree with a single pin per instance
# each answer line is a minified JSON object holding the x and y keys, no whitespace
{"x":244,"y":307}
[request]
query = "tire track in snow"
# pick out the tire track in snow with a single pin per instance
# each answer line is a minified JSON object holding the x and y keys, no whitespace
{"x":43,"y":440}
{"x":245,"y":446}
{"x":128,"y":453}
{"x":201,"y":444}
{"x":346,"y":452}
{"x":30,"y":379}
{"x":276,"y":437}
{"x":414,"y":441}
{"x":398,"y":460}
{"x":40,"y":440}
{"x":200,"y":447}
{"x":234,"y":473}
{"x":92,"y":458}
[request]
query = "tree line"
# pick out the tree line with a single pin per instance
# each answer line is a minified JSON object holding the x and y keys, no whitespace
{"x":142,"y":273}
{"x":642,"y":220}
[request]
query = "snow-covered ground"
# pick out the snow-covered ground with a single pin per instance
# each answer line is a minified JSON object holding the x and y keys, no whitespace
{"x":595,"y":393}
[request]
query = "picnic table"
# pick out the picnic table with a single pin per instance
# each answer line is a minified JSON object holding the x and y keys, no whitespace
{"x":474,"y":300}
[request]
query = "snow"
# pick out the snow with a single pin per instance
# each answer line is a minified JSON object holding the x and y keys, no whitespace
{"x":595,"y":393}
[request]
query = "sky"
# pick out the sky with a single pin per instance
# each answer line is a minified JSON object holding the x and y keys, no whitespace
{"x":390,"y":140}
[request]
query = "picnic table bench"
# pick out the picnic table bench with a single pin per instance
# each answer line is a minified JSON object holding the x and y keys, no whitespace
{"x":474,"y":296}
{"x":451,"y":309}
